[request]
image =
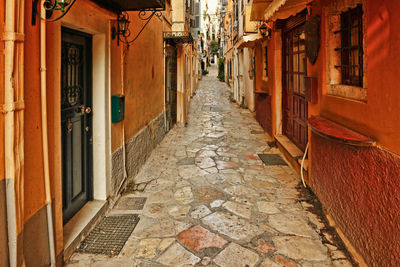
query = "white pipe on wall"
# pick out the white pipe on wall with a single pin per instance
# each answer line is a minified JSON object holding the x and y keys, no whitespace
{"x":43,"y":98}
{"x":9,"y":127}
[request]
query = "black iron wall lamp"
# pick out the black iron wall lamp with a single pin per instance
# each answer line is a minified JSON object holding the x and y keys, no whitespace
{"x":121,"y":31}
{"x":265,"y":31}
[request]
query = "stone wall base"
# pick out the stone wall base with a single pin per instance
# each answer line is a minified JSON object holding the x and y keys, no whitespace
{"x":138,"y":149}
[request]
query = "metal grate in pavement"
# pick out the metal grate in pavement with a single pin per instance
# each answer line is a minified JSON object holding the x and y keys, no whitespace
{"x":110,"y":235}
{"x":131,"y":203}
{"x":272,"y":159}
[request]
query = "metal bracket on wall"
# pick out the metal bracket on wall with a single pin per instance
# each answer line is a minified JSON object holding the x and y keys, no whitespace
{"x":15,"y":106}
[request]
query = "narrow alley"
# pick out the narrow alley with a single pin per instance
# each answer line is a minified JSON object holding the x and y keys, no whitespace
{"x":212,"y":202}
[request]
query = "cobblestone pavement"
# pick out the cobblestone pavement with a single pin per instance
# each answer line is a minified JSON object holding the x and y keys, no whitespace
{"x":214,"y":203}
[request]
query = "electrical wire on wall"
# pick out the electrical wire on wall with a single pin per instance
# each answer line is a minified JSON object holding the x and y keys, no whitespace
{"x":302,"y":164}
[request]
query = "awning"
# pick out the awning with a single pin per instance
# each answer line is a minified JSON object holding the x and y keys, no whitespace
{"x":249,"y":40}
{"x":282,"y":9}
{"x":131,"y":5}
{"x":178,"y":37}
{"x":257,"y":9}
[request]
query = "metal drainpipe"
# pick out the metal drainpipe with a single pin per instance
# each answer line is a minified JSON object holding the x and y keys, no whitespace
{"x":9,"y":133}
{"x":43,"y":98}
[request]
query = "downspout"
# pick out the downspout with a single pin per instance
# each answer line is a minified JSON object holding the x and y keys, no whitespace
{"x":43,"y":98}
{"x":9,"y":130}
{"x":125,"y":177}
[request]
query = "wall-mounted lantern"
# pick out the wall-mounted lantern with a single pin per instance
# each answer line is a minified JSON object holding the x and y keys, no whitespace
{"x":122,"y":32}
{"x":265,"y":31}
{"x":122,"y":27}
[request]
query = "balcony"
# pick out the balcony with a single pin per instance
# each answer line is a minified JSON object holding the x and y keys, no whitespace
{"x":178,"y":37}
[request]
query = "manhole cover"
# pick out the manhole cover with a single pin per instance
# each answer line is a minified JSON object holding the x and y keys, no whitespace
{"x":110,"y":235}
{"x":272,"y":159}
{"x":131,"y":203}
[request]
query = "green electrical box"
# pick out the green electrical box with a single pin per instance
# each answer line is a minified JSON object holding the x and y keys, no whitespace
{"x":117,"y":108}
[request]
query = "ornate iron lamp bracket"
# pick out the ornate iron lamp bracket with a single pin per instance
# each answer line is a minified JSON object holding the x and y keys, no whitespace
{"x":123,"y":35}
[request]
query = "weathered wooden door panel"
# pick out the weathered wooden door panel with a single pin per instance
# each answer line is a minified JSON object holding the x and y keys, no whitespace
{"x":76,"y":120}
{"x":170,"y":86}
{"x":295,"y":108}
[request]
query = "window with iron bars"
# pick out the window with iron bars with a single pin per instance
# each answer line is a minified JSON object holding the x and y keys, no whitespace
{"x":351,"y":50}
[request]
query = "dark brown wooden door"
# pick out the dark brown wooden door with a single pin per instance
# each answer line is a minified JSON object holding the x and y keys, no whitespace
{"x":76,"y":120}
{"x":295,"y":108}
{"x":170,"y":86}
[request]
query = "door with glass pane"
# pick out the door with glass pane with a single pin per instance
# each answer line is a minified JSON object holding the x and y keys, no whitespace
{"x":76,"y":120}
{"x":295,"y":108}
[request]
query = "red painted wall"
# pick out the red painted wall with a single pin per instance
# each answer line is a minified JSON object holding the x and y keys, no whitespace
{"x":360,"y":189}
{"x":264,"y":112}
{"x":264,"y":102}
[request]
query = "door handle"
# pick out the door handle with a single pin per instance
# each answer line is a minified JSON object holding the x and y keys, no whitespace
{"x":84,"y":110}
{"x":69,"y":127}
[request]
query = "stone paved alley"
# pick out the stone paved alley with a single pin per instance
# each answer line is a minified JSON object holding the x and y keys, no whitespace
{"x":214,"y":203}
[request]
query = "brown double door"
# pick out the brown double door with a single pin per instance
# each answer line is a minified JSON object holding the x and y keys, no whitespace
{"x":295,"y":108}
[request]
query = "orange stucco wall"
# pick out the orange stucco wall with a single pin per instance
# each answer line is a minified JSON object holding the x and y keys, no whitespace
{"x":139,"y":74}
{"x":337,"y":171}
{"x":142,"y":77}
{"x":34,"y":183}
{"x":2,"y":4}
{"x":378,"y":117}
{"x":366,"y":218}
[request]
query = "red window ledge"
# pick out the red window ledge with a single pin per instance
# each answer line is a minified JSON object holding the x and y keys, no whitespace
{"x":336,"y":132}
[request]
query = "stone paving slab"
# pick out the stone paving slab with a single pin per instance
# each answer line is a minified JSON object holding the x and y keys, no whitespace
{"x":214,"y":203}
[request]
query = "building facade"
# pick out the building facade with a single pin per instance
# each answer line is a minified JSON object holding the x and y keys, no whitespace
{"x":83,"y":105}
{"x":325,"y":92}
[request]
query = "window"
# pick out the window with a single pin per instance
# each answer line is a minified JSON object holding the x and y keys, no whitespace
{"x":345,"y":43}
{"x":265,"y":72}
{"x":351,"y":50}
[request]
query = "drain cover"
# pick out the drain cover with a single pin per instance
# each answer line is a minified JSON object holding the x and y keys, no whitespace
{"x":131,"y":203}
{"x":272,"y":159}
{"x":110,"y":235}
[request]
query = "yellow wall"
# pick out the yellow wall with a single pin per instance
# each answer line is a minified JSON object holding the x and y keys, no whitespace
{"x":2,"y":5}
{"x":142,"y":77}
